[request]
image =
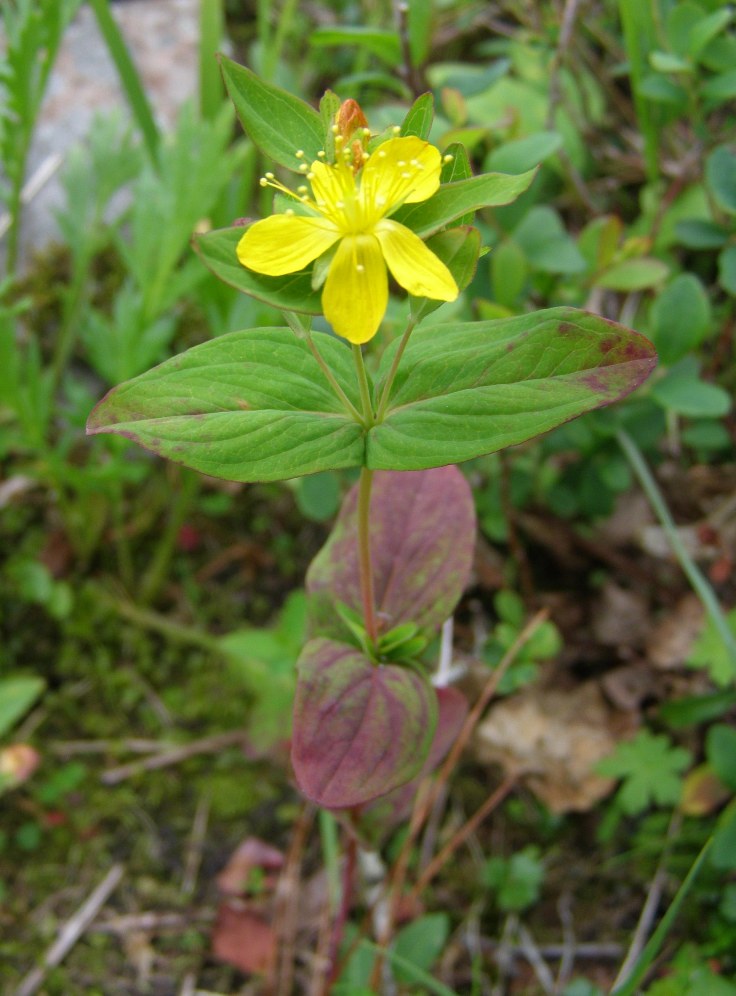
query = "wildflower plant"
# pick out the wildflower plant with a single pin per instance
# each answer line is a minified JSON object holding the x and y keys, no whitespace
{"x":276,"y":403}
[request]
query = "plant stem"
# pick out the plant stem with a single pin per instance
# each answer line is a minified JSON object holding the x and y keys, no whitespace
{"x":364,"y":503}
{"x":164,"y":551}
{"x":369,"y":418}
{"x":346,"y":898}
{"x":364,"y":554}
{"x":333,"y":380}
{"x":383,"y":403}
{"x":699,"y":582}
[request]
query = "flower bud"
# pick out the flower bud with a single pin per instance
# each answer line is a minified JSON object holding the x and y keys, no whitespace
{"x":349,"y":118}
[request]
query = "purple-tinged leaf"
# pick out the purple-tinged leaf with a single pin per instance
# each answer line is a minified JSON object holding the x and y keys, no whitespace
{"x":422,"y":539}
{"x":388,"y":811}
{"x":360,"y":729}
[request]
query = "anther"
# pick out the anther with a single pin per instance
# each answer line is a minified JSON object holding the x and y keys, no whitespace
{"x":303,"y":168}
{"x":310,"y":176}
{"x":396,"y":129}
{"x":321,"y":154}
{"x":302,"y":189}
{"x":299,"y":153}
{"x":335,"y":130}
{"x":269,"y":176}
{"x":289,"y":212}
{"x":360,"y":268}
{"x":447,"y":159}
{"x":263,"y":181}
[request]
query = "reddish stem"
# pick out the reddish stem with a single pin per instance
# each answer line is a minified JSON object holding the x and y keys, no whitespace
{"x":364,"y":554}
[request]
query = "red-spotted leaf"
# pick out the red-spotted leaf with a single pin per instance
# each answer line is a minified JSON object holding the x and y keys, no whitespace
{"x":422,"y":538}
{"x":360,"y":730}
{"x":385,"y":813}
{"x":467,"y":389}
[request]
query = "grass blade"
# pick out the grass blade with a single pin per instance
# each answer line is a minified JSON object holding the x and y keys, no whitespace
{"x":129,"y":77}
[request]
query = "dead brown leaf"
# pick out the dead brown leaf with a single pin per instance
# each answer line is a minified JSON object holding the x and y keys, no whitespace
{"x":671,"y":639}
{"x":553,"y":739}
{"x":241,"y":937}
{"x":234,"y":879}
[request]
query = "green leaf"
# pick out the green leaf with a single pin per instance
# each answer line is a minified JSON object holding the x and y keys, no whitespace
{"x":453,"y":200}
{"x":662,"y":90}
{"x":524,"y":153}
{"x":682,"y":392}
{"x":727,"y":270}
{"x":546,"y":244}
{"x":720,"y":175}
{"x":467,"y":389}
{"x":706,"y":29}
{"x":516,"y":880}
{"x":711,"y":652}
{"x":419,"y":26}
{"x":509,"y":270}
{"x":17,"y":695}
{"x":680,"y":317}
{"x":292,"y":292}
{"x":420,"y":944}
{"x":384,"y":44}
{"x":418,"y":120}
{"x":721,"y":752}
{"x":458,"y":248}
{"x":696,"y":233}
{"x":456,"y":166}
{"x":633,"y":274}
{"x":651,"y":771}
{"x":721,"y":87}
{"x":248,"y":406}
{"x":682,"y":22}
{"x":278,"y":122}
{"x":666,"y":62}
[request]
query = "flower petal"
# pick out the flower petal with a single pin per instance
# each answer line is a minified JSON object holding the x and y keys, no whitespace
{"x":413,"y":265}
{"x":401,"y":171}
{"x":332,"y":186}
{"x":285,"y":243}
{"x":356,"y":292}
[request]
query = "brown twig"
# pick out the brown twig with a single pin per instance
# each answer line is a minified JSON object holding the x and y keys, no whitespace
{"x":412,"y":75}
{"x":71,"y":932}
{"x":133,"y":745}
{"x":195,"y":845}
{"x":164,"y":759}
{"x":286,"y":907}
{"x":440,"y":859}
{"x":153,"y":922}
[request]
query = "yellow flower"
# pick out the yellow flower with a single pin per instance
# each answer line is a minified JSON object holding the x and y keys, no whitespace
{"x":349,"y":208}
